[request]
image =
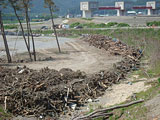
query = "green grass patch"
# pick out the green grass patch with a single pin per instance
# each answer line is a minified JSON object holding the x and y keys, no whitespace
{"x":123,"y":25}
{"x":159,"y":80}
{"x":89,"y":19}
{"x":3,"y":115}
{"x":101,"y":25}
{"x":12,"y":21}
{"x":11,"y":26}
{"x":74,"y":24}
{"x":154,"y":23}
{"x":111,"y":24}
{"x":45,"y":32}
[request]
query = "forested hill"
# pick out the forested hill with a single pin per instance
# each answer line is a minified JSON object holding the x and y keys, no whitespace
{"x":72,"y":6}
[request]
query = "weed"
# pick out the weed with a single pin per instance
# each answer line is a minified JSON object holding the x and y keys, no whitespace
{"x":154,"y":23}
{"x":111,"y":24}
{"x":74,"y":24}
{"x":3,"y":115}
{"x":159,"y":80}
{"x":11,"y":26}
{"x":89,"y":19}
{"x":123,"y":25}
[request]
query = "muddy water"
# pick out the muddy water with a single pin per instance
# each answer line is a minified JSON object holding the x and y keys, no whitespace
{"x":17,"y":44}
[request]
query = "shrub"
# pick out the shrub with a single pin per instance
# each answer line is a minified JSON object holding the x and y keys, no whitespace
{"x":89,"y":19}
{"x":123,"y":25}
{"x":154,"y":23}
{"x":102,"y":25}
{"x":159,"y":80}
{"x":11,"y":27}
{"x":74,"y":24}
{"x":110,"y":24}
{"x":90,"y":25}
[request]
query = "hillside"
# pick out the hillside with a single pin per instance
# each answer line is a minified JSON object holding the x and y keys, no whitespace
{"x":72,"y":6}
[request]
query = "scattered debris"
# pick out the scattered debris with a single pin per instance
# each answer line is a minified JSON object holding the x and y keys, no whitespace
{"x":103,"y":112}
{"x":51,"y":93}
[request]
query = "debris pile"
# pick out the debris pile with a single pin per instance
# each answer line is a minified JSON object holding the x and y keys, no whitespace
{"x":52,"y":92}
{"x":131,"y":56}
{"x":2,"y":61}
{"x":32,"y":92}
{"x":113,"y":45}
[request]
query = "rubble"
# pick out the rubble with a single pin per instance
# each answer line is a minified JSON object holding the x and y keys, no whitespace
{"x":51,"y":93}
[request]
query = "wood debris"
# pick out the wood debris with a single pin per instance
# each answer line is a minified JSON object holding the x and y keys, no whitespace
{"x":51,"y":93}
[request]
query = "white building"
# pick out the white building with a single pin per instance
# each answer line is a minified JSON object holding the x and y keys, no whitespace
{"x":87,"y":8}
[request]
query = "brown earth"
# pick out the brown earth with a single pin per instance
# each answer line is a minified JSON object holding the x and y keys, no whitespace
{"x":45,"y":89}
{"x":77,"y":55}
{"x":154,"y":108}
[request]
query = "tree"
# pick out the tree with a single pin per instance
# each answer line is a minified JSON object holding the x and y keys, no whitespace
{"x":15,"y":4}
{"x":51,"y":5}
{"x":26,"y":5}
{"x":2,"y":5}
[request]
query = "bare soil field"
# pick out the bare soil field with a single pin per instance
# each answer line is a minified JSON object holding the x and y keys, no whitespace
{"x":76,"y":55}
{"x":131,"y":20}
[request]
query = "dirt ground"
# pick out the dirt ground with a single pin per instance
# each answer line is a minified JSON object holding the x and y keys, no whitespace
{"x":131,"y":20}
{"x":154,"y":108}
{"x":77,"y":55}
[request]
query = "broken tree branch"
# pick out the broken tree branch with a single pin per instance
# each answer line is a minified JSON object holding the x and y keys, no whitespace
{"x":107,"y":109}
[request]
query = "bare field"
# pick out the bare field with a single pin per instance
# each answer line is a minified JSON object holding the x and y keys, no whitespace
{"x":131,"y":20}
{"x":76,"y":55}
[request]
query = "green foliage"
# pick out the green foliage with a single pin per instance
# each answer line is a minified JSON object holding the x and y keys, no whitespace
{"x":101,"y":25}
{"x":123,"y":25}
{"x":89,"y":19}
{"x":10,"y":21}
{"x":46,"y":32}
{"x":46,"y":17}
{"x":12,"y":26}
{"x":89,"y":25}
{"x":154,"y":23}
{"x":158,"y":80}
{"x":3,"y":115}
{"x":74,"y":24}
{"x":111,"y":24}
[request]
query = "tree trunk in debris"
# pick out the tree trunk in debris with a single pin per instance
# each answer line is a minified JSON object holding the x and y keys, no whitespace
{"x":27,"y":22}
{"x":55,"y":32}
{"x":5,"y":40}
{"x":34,"y":50}
{"x":15,"y":11}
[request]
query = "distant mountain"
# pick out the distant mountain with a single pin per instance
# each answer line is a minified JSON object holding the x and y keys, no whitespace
{"x":69,"y":6}
{"x":73,"y":6}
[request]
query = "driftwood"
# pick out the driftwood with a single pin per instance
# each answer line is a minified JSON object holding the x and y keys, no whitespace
{"x":51,"y":92}
{"x":102,"y":112}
